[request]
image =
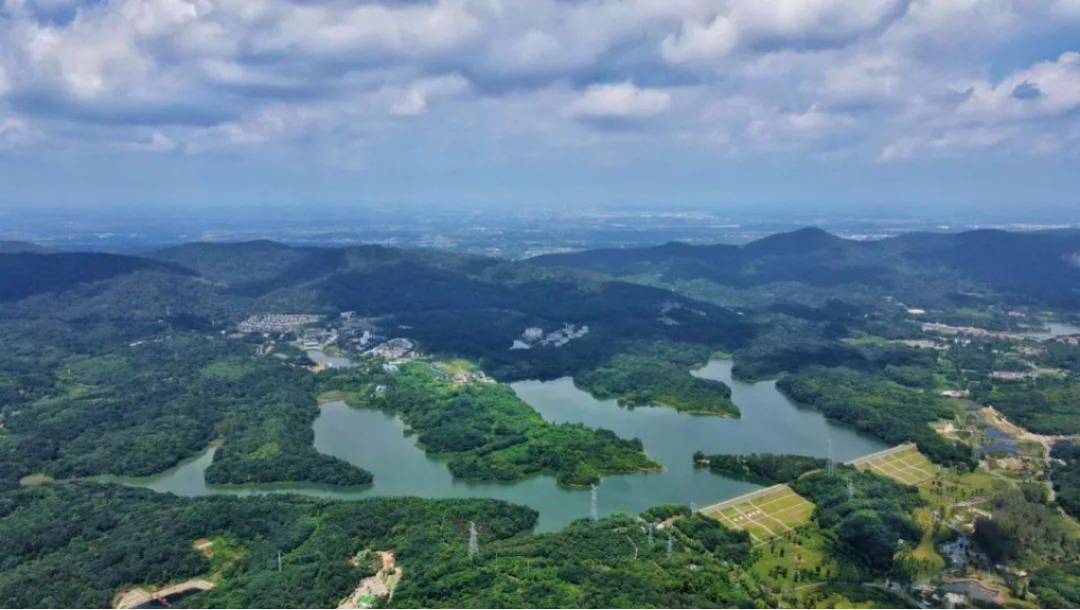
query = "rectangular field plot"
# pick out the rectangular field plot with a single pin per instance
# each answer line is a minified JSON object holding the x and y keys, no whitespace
{"x":904,"y":464}
{"x":764,"y":514}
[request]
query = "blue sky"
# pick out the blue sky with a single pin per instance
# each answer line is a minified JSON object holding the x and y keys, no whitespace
{"x":864,"y":105}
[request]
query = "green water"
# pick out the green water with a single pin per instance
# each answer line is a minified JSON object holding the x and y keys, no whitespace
{"x":375,"y":440}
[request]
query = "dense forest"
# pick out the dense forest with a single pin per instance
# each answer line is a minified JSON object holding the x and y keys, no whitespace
{"x":1024,"y":528}
{"x":874,"y":403}
{"x":78,"y":545}
{"x":607,"y":564}
{"x":659,"y":375}
{"x":1044,"y":406}
{"x":142,"y":408}
{"x":868,"y":527}
{"x":1057,"y":586}
{"x":767,"y":467}
{"x":1065,"y":476}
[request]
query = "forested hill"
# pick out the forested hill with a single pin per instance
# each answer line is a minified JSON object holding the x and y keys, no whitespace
{"x":451,"y":303}
{"x":25,"y":274}
{"x":465,"y":304}
{"x":13,"y":247}
{"x":1044,"y":265}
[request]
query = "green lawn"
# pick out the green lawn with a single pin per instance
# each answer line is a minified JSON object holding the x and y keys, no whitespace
{"x":798,"y":558}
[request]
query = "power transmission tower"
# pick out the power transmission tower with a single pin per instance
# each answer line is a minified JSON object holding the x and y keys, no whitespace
{"x":279,"y":561}
{"x":474,"y":542}
{"x":594,"y":510}
{"x":830,"y":463}
{"x":850,"y":490}
{"x":650,"y":528}
{"x":631,"y":541}
{"x":670,"y":546}
{"x":693,"y":507}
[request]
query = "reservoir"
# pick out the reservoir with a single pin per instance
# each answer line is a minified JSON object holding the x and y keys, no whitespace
{"x":376,"y":441}
{"x":1053,"y":330}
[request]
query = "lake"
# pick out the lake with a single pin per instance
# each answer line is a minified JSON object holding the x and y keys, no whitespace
{"x":1053,"y":330}
{"x":375,"y":440}
{"x":337,"y":362}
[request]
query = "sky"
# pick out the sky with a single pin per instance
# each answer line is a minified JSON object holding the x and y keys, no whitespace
{"x":855,"y":105}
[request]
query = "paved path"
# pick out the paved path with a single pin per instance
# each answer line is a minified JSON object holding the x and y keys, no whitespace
{"x":880,"y":454}
{"x":741,"y":499}
{"x":138,"y":597}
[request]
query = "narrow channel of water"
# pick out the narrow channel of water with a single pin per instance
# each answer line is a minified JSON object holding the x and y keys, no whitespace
{"x":375,"y":440}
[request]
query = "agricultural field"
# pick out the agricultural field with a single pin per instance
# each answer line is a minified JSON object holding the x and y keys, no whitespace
{"x":904,"y":464}
{"x":764,"y":514}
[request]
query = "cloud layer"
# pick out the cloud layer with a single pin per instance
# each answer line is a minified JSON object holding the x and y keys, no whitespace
{"x":890,"y":80}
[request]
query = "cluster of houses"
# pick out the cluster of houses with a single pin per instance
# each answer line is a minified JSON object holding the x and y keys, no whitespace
{"x":535,"y":336}
{"x":318,"y":338}
{"x":669,"y":306}
{"x":969,"y":331}
{"x":1011,"y":375}
{"x":276,"y":322}
{"x":467,"y":377}
{"x":394,"y":349}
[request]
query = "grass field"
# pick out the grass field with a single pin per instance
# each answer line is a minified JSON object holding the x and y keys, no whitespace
{"x":905,"y":465}
{"x":765,"y":514}
{"x":795,"y":559}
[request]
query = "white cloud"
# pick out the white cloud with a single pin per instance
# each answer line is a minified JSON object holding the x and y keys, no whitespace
{"x":15,"y":132}
{"x":619,"y":101}
{"x":898,"y":75}
{"x":1067,"y":8}
{"x":415,"y":97}
{"x":408,"y":29}
{"x":159,"y":142}
{"x":751,"y":24}
{"x":1046,"y":89}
